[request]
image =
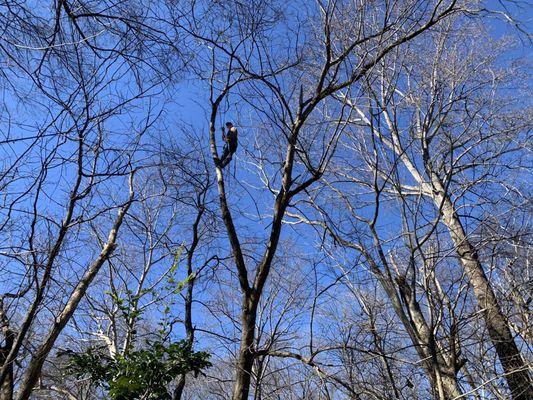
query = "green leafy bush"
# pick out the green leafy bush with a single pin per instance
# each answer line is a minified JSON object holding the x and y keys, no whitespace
{"x":139,"y":374}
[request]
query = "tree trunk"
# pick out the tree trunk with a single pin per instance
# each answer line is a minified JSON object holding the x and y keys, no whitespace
{"x":439,"y":369}
{"x":440,"y":373}
{"x":245,"y":358}
{"x":6,"y":388}
{"x":33,"y":371}
{"x":189,"y":329}
{"x":516,"y":371}
{"x":514,"y":367}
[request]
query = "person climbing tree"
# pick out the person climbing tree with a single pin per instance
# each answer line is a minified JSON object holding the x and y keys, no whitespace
{"x":231,"y":144}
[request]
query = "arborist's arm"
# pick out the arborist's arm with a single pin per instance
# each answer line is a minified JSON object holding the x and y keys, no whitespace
{"x":224,"y":138}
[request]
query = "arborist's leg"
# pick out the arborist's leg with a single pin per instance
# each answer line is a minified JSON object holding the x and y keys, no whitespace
{"x":226,"y":160}
{"x":229,"y":150}
{"x":225,"y":153}
{"x":232,"y":150}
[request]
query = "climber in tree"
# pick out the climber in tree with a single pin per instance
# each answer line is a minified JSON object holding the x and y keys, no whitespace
{"x":231,"y":144}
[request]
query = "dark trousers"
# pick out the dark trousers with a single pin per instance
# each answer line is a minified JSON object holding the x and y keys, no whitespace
{"x":229,"y":149}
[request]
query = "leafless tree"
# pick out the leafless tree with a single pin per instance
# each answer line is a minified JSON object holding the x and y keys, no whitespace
{"x":66,"y":87}
{"x":437,"y":130}
{"x":368,"y":240}
{"x":333,"y":56}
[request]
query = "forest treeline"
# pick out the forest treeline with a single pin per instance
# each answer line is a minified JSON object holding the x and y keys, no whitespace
{"x":361,"y":230}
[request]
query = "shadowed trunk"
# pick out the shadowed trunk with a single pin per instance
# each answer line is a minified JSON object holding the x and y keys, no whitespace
{"x":246,"y":355}
{"x":6,"y":389}
{"x":189,"y":328}
{"x":440,"y":370}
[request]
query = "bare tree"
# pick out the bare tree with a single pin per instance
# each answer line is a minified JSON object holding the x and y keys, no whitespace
{"x":368,"y":240}
{"x":439,"y":131}
{"x":66,"y":81}
{"x":338,"y":57}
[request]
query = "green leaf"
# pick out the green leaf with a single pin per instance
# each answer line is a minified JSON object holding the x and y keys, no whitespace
{"x":177,"y":257}
{"x":184,"y":282}
{"x":138,"y":372}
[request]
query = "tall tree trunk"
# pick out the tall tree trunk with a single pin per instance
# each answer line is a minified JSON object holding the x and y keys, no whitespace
{"x":246,"y":355}
{"x":441,"y":373}
{"x":189,"y":328}
{"x":515,"y":369}
{"x":33,"y":371}
{"x":245,"y":358}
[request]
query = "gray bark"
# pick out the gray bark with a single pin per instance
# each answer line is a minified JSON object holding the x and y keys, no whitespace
{"x":34,"y":368}
{"x":515,"y":369}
